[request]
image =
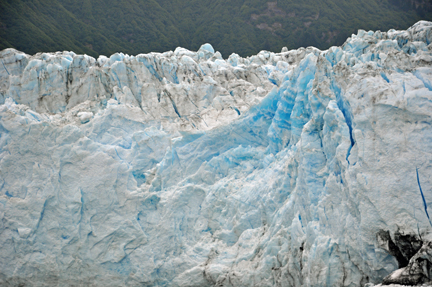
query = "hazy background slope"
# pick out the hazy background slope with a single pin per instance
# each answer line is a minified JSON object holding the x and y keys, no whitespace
{"x":242,"y":26}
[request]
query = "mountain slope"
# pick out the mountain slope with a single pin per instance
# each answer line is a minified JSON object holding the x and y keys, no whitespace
{"x":241,"y":26}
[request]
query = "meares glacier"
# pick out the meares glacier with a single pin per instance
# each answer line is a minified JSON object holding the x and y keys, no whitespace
{"x":299,"y":168}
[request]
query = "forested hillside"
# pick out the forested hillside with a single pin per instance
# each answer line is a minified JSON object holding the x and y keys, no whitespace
{"x":245,"y":27}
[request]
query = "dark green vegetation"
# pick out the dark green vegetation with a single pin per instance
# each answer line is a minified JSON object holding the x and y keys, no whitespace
{"x":242,"y":26}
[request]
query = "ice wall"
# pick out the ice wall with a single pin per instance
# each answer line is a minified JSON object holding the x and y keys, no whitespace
{"x":299,"y":168}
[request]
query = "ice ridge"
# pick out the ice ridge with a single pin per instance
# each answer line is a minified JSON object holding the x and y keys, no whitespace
{"x":186,"y":169}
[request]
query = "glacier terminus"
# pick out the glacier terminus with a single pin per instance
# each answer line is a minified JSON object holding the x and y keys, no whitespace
{"x":298,"y":168}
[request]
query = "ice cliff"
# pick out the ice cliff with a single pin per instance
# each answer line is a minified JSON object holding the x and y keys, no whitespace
{"x":299,"y":168}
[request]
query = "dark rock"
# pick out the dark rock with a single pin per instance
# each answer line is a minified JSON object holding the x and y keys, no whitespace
{"x":418,"y":271}
{"x":407,"y":244}
{"x":402,"y":248}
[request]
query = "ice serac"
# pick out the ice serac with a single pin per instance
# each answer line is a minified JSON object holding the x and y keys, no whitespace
{"x":299,"y":168}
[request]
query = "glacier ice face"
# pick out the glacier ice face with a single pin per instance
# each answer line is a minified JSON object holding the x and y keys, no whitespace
{"x":299,"y":168}
{"x":193,"y":90}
